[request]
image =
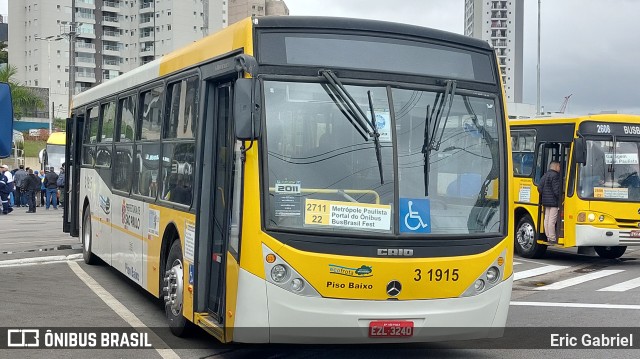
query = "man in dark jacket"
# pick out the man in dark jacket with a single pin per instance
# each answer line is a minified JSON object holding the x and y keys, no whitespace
{"x":550,"y":188}
{"x":50,"y":183}
{"x":18,"y":178}
{"x":31,"y":185}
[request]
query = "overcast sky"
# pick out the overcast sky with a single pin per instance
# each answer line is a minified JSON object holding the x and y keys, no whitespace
{"x":590,"y":49}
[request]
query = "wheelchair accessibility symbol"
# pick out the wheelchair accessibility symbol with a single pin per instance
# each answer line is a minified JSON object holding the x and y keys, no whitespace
{"x":415,"y":215}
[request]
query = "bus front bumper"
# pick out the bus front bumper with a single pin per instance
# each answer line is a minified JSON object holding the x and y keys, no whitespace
{"x":298,"y":319}
{"x":587,"y":235}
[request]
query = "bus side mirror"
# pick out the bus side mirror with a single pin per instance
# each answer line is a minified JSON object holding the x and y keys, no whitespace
{"x":580,"y":150}
{"x":6,"y":120}
{"x":246,"y":109}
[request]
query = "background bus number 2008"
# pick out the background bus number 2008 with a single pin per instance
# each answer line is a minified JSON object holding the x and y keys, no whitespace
{"x":437,"y":275}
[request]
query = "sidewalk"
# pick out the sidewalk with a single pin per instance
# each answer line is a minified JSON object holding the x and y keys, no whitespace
{"x":30,"y":234}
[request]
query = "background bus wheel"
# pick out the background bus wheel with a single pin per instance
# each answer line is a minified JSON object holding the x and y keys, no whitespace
{"x":173,"y":291}
{"x":611,"y":252}
{"x":525,"y":241}
{"x":88,"y":257}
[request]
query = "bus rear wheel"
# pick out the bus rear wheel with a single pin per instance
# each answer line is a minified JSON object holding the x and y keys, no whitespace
{"x":173,"y":291}
{"x":88,"y":257}
{"x":526,"y":244}
{"x":611,"y":252}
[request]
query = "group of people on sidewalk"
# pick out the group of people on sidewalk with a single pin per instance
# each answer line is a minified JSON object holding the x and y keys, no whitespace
{"x":22,"y":185}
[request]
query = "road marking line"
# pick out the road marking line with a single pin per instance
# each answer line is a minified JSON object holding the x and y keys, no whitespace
{"x":45,"y":241}
{"x":120,"y":309}
{"x":537,"y":271}
{"x":516,"y":263}
{"x":581,"y":279}
{"x":577,"y":305}
{"x":39,"y":260}
{"x":622,"y":287}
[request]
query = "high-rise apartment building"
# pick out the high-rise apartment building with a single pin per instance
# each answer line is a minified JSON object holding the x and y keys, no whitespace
{"x":240,"y":9}
{"x":500,"y":23}
{"x":111,"y":37}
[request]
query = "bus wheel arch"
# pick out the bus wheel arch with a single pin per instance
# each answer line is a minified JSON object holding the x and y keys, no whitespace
{"x":611,"y":252}
{"x":87,"y":235}
{"x":525,"y":238}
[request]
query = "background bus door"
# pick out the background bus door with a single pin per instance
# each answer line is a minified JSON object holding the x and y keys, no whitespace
{"x":73,"y":147}
{"x":547,"y":152}
{"x":214,"y":215}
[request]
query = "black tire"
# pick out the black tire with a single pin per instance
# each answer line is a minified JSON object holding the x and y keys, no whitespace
{"x":178,"y":324}
{"x":525,"y":238}
{"x":611,"y":252}
{"x":87,"y":238}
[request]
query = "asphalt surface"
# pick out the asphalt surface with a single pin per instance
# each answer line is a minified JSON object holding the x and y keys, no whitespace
{"x":48,"y":292}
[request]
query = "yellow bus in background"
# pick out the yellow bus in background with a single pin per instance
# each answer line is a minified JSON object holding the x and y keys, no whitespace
{"x":294,"y":179}
{"x":53,"y":155}
{"x":600,"y":206}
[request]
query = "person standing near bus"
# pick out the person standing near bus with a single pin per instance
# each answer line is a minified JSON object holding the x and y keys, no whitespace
{"x":18,"y":178}
{"x":43,"y":189}
{"x":550,"y":188}
{"x":50,"y":183}
{"x":5,"y":189}
{"x":31,"y":185}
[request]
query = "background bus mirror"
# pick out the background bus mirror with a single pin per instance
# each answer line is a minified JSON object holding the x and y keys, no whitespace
{"x":246,"y":102}
{"x":580,"y":150}
{"x":6,"y":120}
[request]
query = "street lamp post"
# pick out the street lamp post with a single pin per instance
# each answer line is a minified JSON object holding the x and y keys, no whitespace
{"x":48,"y":39}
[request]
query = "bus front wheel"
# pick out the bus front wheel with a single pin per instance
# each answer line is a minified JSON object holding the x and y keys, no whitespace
{"x":525,"y":239}
{"x":174,"y":291}
{"x":88,"y":257}
{"x":610,"y":252}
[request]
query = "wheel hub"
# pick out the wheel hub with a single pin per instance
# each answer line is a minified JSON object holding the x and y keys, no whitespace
{"x":173,"y":280}
{"x":525,"y":236}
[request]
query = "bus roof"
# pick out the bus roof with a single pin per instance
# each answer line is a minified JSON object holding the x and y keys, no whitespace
{"x":240,"y":36}
{"x":57,"y":138}
{"x":619,"y":118}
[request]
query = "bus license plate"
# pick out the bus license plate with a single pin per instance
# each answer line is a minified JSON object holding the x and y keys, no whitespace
{"x":390,"y":328}
{"x":635,"y":233}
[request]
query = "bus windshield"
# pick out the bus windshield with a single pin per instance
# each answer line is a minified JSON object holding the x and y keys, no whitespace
{"x":324,"y":175}
{"x":611,"y":171}
{"x":55,"y":156}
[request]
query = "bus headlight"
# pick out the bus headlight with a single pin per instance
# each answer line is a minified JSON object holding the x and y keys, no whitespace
{"x":493,"y":274}
{"x":489,"y":278}
{"x":282,"y":274}
{"x":601,"y":218}
{"x":297,"y":284}
{"x":591,"y":217}
{"x":279,"y":273}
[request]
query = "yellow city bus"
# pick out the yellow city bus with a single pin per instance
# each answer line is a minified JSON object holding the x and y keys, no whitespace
{"x":600,"y":204}
{"x":293,"y":179}
{"x":53,"y":155}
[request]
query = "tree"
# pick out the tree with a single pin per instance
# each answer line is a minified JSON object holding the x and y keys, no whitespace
{"x":23,"y":98}
{"x":4,"y":56}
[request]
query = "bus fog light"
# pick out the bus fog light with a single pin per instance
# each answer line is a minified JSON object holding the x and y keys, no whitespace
{"x":493,"y":274}
{"x":279,"y":273}
{"x":479,"y":285}
{"x":601,"y":218}
{"x":591,"y":217}
{"x":582,"y":217}
{"x":297,"y":284}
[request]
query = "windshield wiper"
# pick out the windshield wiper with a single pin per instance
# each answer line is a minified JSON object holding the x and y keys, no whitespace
{"x":431,"y":129}
{"x":354,"y":113}
{"x":376,"y":137}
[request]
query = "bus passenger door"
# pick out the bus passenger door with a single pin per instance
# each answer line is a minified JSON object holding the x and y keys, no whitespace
{"x":215,"y":211}
{"x":73,"y":144}
{"x":548,"y":152}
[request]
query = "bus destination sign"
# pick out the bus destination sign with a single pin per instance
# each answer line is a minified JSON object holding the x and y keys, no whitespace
{"x":609,"y":128}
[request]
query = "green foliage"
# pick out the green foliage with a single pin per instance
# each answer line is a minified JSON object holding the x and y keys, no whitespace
{"x":4,"y":56}
{"x":60,"y":123}
{"x":23,"y":98}
{"x":32,"y":148}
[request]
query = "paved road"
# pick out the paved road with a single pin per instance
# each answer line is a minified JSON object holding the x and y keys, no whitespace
{"x":562,"y":290}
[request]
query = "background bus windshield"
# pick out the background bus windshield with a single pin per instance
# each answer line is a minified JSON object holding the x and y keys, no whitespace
{"x":611,"y":171}
{"x":323,"y":175}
